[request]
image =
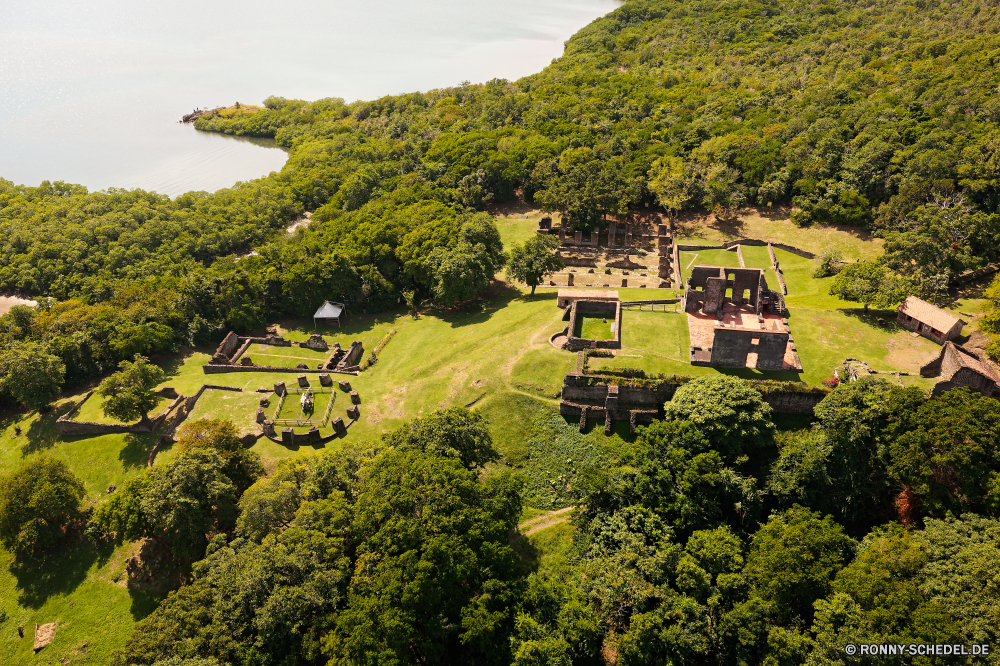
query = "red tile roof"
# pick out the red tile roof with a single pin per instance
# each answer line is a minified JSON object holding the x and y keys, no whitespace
{"x":928,"y":314}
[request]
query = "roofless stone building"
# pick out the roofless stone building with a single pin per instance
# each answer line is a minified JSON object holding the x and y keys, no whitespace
{"x":736,"y":321}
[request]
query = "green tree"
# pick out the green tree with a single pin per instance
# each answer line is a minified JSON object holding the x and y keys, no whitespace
{"x":876,"y":599}
{"x":186,"y":498}
{"x":255,"y":603}
{"x":534,"y":260}
{"x":723,"y":192}
{"x":729,"y":411}
{"x":128,"y":394}
{"x":121,"y":517}
{"x":437,"y":581}
{"x":859,"y":422}
{"x":241,"y":466}
{"x":870,"y":283}
{"x":31,"y":374}
{"x":671,"y":182}
{"x":793,"y":559}
{"x":961,"y":572}
{"x":38,"y":501}
{"x":454,"y":433}
{"x":463,"y":272}
{"x":950,"y":453}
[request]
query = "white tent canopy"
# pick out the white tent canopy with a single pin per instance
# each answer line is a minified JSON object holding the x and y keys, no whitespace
{"x":329,"y":311}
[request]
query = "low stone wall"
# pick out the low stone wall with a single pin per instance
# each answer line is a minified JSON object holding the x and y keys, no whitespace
{"x":611,"y":308}
{"x":581,"y":390}
{"x":301,"y":439}
{"x":217,"y":369}
{"x":978,"y":274}
{"x":793,"y":402}
{"x":580,"y":262}
{"x":66,"y":425}
{"x":747,"y":241}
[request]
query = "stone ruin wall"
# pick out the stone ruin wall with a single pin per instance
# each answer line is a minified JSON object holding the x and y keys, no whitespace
{"x":66,"y":425}
{"x":225,"y":360}
{"x":589,"y":392}
{"x":612,"y":309}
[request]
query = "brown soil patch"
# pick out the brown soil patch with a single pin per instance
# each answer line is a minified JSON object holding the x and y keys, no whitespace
{"x":904,"y":354}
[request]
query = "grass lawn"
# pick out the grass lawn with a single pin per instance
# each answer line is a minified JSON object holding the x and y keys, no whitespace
{"x":240,"y":408}
{"x":518,"y":227}
{"x":291,"y":406}
{"x":286,"y":356}
{"x":594,"y":327}
{"x":92,"y":410}
{"x":775,"y":226}
{"x":81,"y":587}
{"x":707,"y":258}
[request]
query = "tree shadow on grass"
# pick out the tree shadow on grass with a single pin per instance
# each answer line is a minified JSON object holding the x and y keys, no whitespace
{"x":528,"y":554}
{"x":497,"y":296}
{"x":137,"y":447}
{"x":61,"y":572}
{"x":882,"y":320}
{"x":774,"y":375}
{"x":42,"y":432}
{"x":173,"y":363}
{"x":144,"y":603}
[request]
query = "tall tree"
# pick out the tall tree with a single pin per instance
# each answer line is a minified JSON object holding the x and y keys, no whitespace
{"x":31,"y":374}
{"x":37,"y":501}
{"x":128,"y":393}
{"x":870,"y":283}
{"x":533,"y":260}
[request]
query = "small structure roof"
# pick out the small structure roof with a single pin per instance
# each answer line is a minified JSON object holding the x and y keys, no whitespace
{"x":929,"y":314}
{"x":968,"y":359}
{"x":588,"y":294}
{"x":329,"y":310}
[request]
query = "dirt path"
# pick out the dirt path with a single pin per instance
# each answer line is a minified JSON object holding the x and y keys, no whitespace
{"x":548,"y":519}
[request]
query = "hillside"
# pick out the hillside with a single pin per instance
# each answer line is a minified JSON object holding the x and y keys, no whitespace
{"x":462,"y":518}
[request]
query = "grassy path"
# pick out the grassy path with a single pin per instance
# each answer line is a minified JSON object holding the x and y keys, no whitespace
{"x":545,"y":520}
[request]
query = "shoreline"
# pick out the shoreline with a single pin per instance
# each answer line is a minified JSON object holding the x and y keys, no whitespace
{"x":7,"y":301}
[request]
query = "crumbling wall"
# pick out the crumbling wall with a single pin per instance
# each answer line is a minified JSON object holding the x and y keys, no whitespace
{"x":590,"y":391}
{"x":771,"y":348}
{"x":715,"y":293}
{"x":792,"y":402}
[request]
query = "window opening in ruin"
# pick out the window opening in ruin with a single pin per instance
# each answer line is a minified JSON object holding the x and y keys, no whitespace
{"x":755,"y":341}
{"x":746,"y":294}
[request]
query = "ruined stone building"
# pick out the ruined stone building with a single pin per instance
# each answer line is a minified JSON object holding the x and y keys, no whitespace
{"x":736,"y":321}
{"x":958,"y":366}
{"x":928,"y":320}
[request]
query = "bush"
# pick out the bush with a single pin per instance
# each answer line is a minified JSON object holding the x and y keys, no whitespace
{"x":828,"y":264}
{"x":37,"y":503}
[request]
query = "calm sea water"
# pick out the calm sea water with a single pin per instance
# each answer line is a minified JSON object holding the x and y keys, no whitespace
{"x":91,"y":90}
